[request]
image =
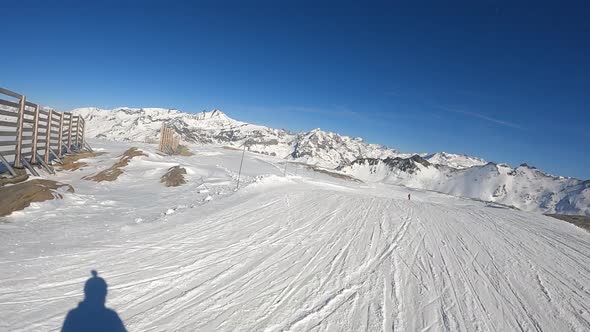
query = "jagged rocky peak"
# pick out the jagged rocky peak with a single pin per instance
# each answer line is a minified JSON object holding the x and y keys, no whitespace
{"x":409,"y":164}
{"x":214,"y":114}
{"x":525,"y":165}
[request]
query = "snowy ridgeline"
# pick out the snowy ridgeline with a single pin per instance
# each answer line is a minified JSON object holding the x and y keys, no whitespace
{"x":304,"y":252}
{"x":523,"y":187}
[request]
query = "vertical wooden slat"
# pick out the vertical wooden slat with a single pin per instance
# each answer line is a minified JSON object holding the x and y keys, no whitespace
{"x":19,"y":131}
{"x":61,"y":130}
{"x":169,"y":137}
{"x":35,"y":130}
{"x":77,"y":130}
{"x":82,"y":133}
{"x":48,"y":136}
{"x":69,"y":130}
{"x":167,"y":131}
{"x":165,"y":138}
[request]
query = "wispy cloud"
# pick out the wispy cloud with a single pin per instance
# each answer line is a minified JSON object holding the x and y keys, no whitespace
{"x":329,"y":111}
{"x":485,"y":118}
{"x":337,"y":110}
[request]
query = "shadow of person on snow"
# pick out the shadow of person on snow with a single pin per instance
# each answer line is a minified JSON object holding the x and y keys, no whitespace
{"x":91,"y":314}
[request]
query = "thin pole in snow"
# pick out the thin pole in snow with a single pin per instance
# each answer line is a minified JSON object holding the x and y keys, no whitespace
{"x":241,"y":162}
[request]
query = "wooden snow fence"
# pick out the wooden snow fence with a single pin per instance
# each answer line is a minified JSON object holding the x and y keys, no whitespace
{"x":32,"y":135}
{"x":169,"y":140}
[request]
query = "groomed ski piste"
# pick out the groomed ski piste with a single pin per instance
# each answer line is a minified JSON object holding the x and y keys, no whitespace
{"x":301,"y":252}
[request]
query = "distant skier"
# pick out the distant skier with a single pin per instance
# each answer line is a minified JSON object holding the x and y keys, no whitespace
{"x":409,"y":197}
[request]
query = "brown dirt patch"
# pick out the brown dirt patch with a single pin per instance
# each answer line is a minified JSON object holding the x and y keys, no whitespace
{"x":174,"y":177}
{"x":112,"y":173}
{"x":19,"y":196}
{"x":21,"y":175}
{"x":332,"y":174}
{"x":72,"y":163}
{"x":580,"y":221}
{"x":184,"y":151}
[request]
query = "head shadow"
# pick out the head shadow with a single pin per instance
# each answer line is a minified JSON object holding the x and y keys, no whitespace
{"x":91,"y":314}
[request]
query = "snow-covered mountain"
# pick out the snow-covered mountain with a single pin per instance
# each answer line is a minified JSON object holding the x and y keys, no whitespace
{"x":331,"y":150}
{"x":316,"y":147}
{"x":524,"y":187}
{"x":458,"y":161}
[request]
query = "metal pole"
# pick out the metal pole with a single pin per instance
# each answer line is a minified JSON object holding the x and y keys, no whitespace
{"x":241,"y":162}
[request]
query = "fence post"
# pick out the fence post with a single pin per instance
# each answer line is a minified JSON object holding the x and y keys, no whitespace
{"x":35,"y":130}
{"x":48,"y":137}
{"x":83,"y":131}
{"x":61,"y":129}
{"x":69,"y":130}
{"x":77,"y":130}
{"x":19,"y":131}
{"x":241,"y":162}
{"x":166,"y":137}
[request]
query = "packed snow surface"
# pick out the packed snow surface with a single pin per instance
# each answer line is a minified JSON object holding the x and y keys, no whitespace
{"x":300,"y":252}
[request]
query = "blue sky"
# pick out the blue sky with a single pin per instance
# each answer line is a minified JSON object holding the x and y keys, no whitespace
{"x":506,"y":82}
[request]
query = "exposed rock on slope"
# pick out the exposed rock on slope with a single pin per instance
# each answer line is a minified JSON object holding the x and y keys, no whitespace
{"x":174,"y":177}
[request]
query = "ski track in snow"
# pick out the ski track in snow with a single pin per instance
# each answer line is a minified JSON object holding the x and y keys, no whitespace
{"x":291,"y":254}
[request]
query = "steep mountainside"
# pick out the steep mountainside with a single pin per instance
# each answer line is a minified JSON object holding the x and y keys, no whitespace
{"x":524,"y":187}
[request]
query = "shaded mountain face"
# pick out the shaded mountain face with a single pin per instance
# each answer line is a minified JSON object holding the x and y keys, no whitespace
{"x":524,"y":187}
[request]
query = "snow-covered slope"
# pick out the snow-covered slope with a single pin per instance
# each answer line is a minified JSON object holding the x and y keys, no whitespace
{"x":524,"y":187}
{"x":295,"y":253}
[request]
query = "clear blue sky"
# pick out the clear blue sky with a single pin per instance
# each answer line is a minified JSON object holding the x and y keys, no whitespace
{"x":509,"y":83}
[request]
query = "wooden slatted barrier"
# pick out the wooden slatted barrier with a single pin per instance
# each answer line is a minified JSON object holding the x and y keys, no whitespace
{"x":30,"y":134}
{"x":169,"y":140}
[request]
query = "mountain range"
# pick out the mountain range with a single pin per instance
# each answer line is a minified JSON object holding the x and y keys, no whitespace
{"x":524,"y":187}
